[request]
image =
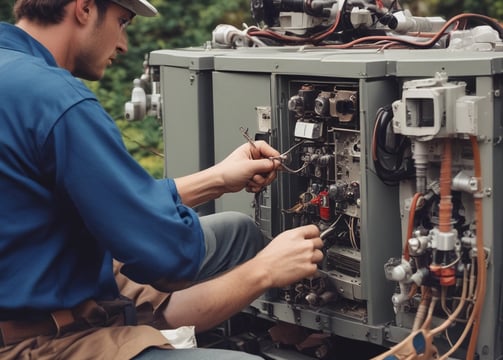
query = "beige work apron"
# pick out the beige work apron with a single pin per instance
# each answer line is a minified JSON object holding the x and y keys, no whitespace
{"x":108,"y":343}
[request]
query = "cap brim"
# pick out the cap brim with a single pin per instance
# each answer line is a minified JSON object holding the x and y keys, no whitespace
{"x":139,"y":7}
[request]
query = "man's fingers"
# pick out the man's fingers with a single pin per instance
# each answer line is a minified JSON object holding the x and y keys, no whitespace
{"x":317,"y":256}
{"x":253,"y":186}
{"x":318,"y":243}
{"x":266,"y":150}
{"x":311,"y":232}
{"x":263,"y":179}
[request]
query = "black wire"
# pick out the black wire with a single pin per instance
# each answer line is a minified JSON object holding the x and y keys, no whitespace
{"x":393,"y":161}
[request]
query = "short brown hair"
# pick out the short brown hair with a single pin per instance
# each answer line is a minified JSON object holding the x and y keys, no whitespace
{"x":48,"y":11}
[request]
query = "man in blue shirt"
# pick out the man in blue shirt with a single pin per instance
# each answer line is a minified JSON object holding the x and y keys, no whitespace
{"x":73,"y":199}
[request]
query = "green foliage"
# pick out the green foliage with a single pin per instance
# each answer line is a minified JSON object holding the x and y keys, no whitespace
{"x":144,"y":143}
{"x":450,"y":8}
{"x":6,"y":10}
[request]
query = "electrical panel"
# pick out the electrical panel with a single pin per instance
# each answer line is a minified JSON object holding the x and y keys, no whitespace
{"x":393,"y":149}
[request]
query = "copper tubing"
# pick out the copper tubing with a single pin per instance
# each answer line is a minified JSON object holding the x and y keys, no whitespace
{"x":471,"y":288}
{"x":429,"y":317}
{"x":452,"y":318}
{"x":443,"y":299}
{"x":422,"y":308}
{"x":410,"y":225}
{"x":458,"y":309}
{"x":474,"y":320}
{"x":445,"y":206}
{"x":460,"y":339}
{"x":412,"y":291}
{"x":445,"y":225}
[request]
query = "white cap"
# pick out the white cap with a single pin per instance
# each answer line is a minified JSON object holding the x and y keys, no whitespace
{"x":139,"y":7}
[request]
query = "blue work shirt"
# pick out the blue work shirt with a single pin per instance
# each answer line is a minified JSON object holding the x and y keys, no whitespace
{"x":72,"y":197}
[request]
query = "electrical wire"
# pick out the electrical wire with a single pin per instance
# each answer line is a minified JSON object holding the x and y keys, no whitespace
{"x":286,"y":155}
{"x":294,"y":171}
{"x":329,"y":230}
{"x":351,"y":229}
{"x":298,"y":39}
{"x":432,"y":39}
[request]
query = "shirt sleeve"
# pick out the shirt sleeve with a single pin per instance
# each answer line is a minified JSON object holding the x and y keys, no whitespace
{"x":139,"y":219}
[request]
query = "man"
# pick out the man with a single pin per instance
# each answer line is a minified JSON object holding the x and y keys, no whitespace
{"x":73,"y":199}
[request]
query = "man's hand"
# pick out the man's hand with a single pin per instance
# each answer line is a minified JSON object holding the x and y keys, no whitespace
{"x":292,"y":255}
{"x":250,"y":167}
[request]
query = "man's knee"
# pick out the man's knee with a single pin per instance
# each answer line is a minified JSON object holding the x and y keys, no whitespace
{"x":249,"y":233}
{"x":230,"y":238}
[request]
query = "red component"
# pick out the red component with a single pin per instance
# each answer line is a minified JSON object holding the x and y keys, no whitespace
{"x":446,"y":276}
{"x":323,"y":203}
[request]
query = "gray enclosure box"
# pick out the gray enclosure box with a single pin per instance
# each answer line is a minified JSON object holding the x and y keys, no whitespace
{"x":209,"y":94}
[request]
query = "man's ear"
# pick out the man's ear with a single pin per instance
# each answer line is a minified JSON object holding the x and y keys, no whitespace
{"x":83,"y":10}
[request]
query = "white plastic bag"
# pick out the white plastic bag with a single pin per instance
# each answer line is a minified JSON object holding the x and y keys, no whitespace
{"x":183,"y":337}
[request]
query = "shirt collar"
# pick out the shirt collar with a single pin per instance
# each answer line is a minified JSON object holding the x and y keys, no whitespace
{"x":16,"y":39}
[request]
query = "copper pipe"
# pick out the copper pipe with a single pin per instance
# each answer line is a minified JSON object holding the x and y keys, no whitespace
{"x":422,"y":309}
{"x":410,"y":225}
{"x":445,"y":207}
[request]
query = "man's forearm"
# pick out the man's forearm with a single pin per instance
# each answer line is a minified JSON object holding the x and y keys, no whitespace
{"x":198,"y":188}
{"x":207,"y":304}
